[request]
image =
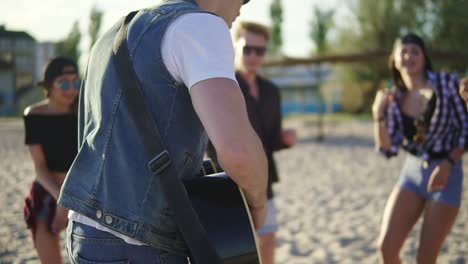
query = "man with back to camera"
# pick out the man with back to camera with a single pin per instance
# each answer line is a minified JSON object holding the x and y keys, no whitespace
{"x":263,"y":102}
{"x":183,"y":56}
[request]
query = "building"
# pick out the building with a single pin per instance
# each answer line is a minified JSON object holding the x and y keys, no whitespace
{"x":20,"y":48}
{"x":18,"y":53}
{"x":7,"y":87}
{"x":45,"y":52}
{"x":306,"y":88}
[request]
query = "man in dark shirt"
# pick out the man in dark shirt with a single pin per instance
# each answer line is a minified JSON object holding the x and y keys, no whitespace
{"x":263,"y":102}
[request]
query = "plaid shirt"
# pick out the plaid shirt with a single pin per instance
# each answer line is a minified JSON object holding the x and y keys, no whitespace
{"x":448,"y":127}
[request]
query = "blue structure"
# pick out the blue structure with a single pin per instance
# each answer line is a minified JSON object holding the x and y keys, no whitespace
{"x":300,"y":88}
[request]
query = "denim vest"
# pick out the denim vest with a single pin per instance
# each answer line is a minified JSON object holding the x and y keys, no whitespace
{"x":109,"y":180}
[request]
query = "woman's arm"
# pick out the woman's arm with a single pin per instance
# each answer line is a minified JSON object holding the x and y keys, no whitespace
{"x":50,"y":181}
{"x":382,"y":137}
{"x":463,"y":89}
{"x":439,"y":176}
{"x":461,"y":118}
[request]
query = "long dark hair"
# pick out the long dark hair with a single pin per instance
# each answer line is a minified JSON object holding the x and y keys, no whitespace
{"x":409,"y":38}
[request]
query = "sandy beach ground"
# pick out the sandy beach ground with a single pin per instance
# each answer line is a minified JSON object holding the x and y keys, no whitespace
{"x":330,"y":198}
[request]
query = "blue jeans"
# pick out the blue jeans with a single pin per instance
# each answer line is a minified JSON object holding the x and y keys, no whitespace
{"x":415,"y":178}
{"x":87,"y":245}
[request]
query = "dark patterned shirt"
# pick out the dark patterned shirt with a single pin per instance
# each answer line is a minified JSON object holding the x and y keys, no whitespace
{"x":265,"y":118}
{"x":447,"y":127}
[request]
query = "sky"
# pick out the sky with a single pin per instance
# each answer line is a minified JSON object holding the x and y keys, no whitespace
{"x":51,"y":20}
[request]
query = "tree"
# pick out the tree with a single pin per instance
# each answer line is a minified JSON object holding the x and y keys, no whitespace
{"x":276,"y":13}
{"x":320,"y":26}
{"x":449,"y":30}
{"x":374,"y":27}
{"x":69,"y":47}
{"x":95,"y":20}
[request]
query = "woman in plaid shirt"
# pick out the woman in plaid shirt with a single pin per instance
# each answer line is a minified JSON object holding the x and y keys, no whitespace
{"x":425,"y":115}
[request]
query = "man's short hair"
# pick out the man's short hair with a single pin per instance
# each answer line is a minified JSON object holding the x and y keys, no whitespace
{"x":252,"y":28}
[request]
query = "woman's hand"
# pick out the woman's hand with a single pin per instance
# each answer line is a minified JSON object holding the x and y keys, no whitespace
{"x":289,"y":137}
{"x":382,"y":98}
{"x":439,"y":177}
{"x":60,"y":219}
{"x":464,"y":89}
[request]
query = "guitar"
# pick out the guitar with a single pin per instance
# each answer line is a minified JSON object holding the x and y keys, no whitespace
{"x":224,"y":213}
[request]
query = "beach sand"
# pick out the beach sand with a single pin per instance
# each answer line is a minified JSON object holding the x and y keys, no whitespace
{"x":330,"y":198}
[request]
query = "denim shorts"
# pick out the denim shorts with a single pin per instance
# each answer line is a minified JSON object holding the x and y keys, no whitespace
{"x":87,"y":245}
{"x":415,"y":178}
{"x":271,"y":224}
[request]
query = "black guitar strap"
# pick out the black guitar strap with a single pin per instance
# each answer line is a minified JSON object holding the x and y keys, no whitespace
{"x":161,"y":165}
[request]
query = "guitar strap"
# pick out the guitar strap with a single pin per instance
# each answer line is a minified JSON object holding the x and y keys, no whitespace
{"x":161,"y":164}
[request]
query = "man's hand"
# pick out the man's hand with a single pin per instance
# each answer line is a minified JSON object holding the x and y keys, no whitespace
{"x":289,"y":137}
{"x":439,"y":177}
{"x":60,"y":219}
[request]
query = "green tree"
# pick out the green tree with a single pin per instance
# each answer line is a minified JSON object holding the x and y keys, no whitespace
{"x":69,"y":47}
{"x":320,"y":27}
{"x":374,"y":26}
{"x":276,"y":14}
{"x":95,"y":21}
{"x":449,"y":31}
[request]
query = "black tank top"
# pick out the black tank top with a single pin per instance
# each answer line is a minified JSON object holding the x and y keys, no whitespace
{"x":57,"y":135}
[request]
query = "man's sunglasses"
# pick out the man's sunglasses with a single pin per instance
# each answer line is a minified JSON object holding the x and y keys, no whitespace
{"x":66,"y":84}
{"x":259,"y":51}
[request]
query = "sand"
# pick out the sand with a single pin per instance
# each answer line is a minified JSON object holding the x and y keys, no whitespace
{"x":330,"y":198}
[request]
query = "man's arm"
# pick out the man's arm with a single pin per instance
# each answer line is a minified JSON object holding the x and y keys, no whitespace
{"x":221,"y":108}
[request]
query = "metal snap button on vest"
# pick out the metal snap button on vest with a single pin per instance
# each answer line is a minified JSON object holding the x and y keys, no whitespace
{"x":108,"y":220}
{"x":98,"y":214}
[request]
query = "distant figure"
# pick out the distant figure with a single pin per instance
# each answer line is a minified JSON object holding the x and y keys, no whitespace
{"x":51,"y":136}
{"x":425,"y":116}
{"x":263,"y":102}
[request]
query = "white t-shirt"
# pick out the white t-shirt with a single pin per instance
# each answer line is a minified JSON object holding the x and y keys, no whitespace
{"x":196,"y":47}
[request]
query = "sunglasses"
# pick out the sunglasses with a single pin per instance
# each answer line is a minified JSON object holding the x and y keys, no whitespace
{"x":259,"y":51}
{"x":245,"y":2}
{"x":66,"y":84}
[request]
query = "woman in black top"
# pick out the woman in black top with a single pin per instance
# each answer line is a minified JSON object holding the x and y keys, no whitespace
{"x":51,"y":136}
{"x":426,"y":117}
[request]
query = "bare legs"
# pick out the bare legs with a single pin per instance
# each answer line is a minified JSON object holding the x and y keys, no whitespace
{"x":267,"y":248}
{"x":401,"y":213}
